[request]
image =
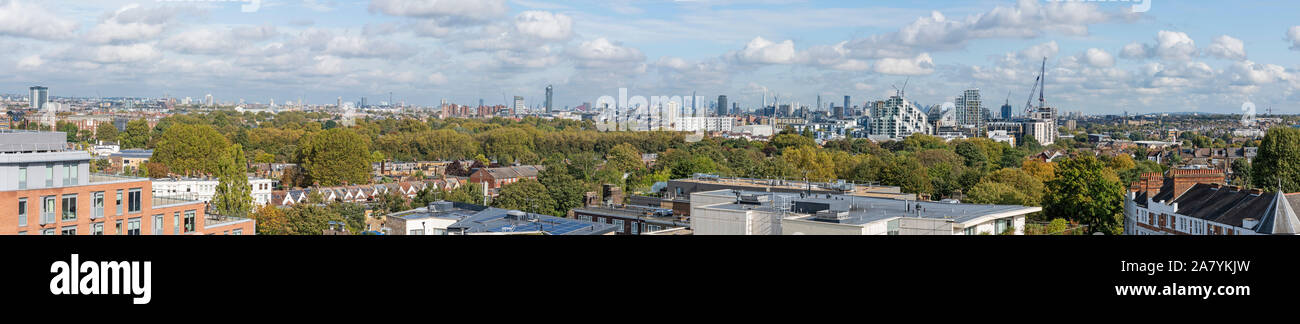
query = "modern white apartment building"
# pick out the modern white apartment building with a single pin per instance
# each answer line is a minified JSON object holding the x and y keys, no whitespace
{"x":202,"y":189}
{"x":896,"y":120}
{"x":733,"y":212}
{"x":704,"y":124}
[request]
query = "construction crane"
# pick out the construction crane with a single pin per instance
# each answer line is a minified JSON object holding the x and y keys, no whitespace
{"x":902,"y":92}
{"x":1039,"y":83}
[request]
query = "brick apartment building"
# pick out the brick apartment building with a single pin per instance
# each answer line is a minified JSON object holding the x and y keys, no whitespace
{"x":47,"y":189}
{"x":497,"y":177}
{"x":1198,"y":202}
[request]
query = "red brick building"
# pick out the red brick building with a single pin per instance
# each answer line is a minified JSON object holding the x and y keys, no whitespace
{"x":46,"y":189}
{"x":497,"y":177}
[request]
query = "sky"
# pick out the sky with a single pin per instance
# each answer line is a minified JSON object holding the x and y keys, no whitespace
{"x":1102,"y":57}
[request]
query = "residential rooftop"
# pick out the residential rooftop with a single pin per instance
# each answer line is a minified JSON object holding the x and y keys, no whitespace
{"x":864,"y":210}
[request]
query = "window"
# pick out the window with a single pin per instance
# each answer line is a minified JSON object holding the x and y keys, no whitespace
{"x":133,"y":226}
{"x":49,"y":175}
{"x":69,"y":230}
{"x":97,"y":229}
{"x":70,"y":207}
{"x":48,"y":232}
{"x":158,"y":224}
{"x":47,"y":210}
{"x":22,"y":232}
{"x":97,"y":205}
{"x":73,"y":173}
{"x":189,"y":221}
{"x":133,"y":201}
{"x":176,"y":222}
{"x":237,"y":231}
{"x":22,"y":177}
{"x":22,"y":211}
{"x":417,"y":232}
{"x":119,"y":202}
{"x":118,"y":227}
{"x":970,"y":230}
{"x":636,"y":228}
{"x":1001,"y":225}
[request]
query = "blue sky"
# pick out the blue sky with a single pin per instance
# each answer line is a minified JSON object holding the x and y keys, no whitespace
{"x":1207,"y":56}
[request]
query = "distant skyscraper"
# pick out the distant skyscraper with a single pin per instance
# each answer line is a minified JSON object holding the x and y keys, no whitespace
{"x":480,"y":102}
{"x":846,"y":105}
{"x":519,"y":105}
{"x":970,"y":109}
{"x":40,"y":96}
{"x":549,"y":93}
{"x":1006,"y":110}
{"x":363,"y":103}
{"x":722,"y":106}
{"x":340,"y":103}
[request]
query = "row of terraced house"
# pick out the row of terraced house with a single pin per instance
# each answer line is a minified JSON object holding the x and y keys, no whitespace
{"x":362,"y":193}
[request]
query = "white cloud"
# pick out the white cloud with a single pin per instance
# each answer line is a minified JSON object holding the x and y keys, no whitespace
{"x":1028,"y":19}
{"x":920,"y":65}
{"x":1251,"y":73}
{"x":544,"y":25}
{"x":467,"y":9}
{"x":1170,"y":45}
{"x":1175,"y":46}
{"x":1227,"y":47}
{"x":126,"y":53}
{"x":762,"y":51}
{"x":1293,"y":35}
{"x":437,"y":78}
{"x":1040,"y":51}
{"x":21,"y":19}
{"x":1098,"y":58}
{"x":1134,"y":50}
{"x":836,"y":57}
{"x":30,"y":63}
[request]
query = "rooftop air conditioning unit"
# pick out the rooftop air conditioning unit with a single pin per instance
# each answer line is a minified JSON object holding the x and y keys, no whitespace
{"x":832,"y":215}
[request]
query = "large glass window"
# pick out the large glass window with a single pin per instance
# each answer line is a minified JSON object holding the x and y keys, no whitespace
{"x":190,"y":221}
{"x":49,"y":175}
{"x":47,"y":209}
{"x":69,"y":230}
{"x":22,"y":177}
{"x":133,"y":226}
{"x":158,"y":224}
{"x":176,"y":222}
{"x":73,"y":174}
{"x":133,"y":203}
{"x":22,"y":211}
{"x":70,"y":207}
{"x":97,"y":206}
{"x":119,"y":202}
{"x":97,"y":229}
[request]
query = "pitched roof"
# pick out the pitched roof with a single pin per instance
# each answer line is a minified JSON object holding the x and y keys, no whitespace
{"x":523,"y":171}
{"x":1281,"y":218}
{"x":1223,"y":205}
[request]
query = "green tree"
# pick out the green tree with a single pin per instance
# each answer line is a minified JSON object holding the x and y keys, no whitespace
{"x":563,"y":188}
{"x":469,"y":193}
{"x":624,"y":158}
{"x":997,"y":194}
{"x":528,"y":195}
{"x":68,"y":129}
{"x":190,"y":149}
{"x":233,"y":195}
{"x":1278,"y":160}
{"x":335,"y":157}
{"x":1088,"y":192}
{"x":106,"y":132}
{"x":1020,"y":181}
{"x":783,"y":141}
{"x":1241,"y":173}
{"x":137,"y":134}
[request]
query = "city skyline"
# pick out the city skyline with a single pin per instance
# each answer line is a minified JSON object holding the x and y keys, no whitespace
{"x":1103,"y":58}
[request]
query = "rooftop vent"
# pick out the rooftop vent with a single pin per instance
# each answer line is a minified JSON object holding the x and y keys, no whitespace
{"x":440,"y":206}
{"x":832,"y":215}
{"x":1249,"y":222}
{"x":517,"y":215}
{"x":752,"y":199}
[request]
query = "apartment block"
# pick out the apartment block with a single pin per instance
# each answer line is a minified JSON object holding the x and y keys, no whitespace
{"x":47,"y":189}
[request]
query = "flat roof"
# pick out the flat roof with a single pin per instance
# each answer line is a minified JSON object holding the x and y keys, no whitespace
{"x":864,"y":210}
{"x":498,"y":221}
